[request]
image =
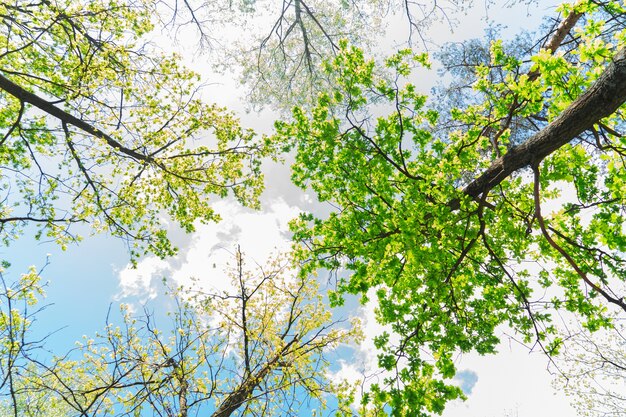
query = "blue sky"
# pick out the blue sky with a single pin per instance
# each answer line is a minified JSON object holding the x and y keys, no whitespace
{"x":82,"y":281}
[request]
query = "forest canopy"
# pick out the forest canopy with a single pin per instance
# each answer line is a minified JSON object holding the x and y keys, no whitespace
{"x":494,"y":202}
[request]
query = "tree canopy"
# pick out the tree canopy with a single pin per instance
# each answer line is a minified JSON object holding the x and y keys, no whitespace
{"x":496,"y":202}
{"x":99,"y":126}
{"x":459,"y":230}
{"x":242,"y":351}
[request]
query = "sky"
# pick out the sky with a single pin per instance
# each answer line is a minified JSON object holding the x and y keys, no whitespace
{"x":93,"y":276}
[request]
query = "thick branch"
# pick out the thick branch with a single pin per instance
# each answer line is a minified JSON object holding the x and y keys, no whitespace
{"x":562,"y":30}
{"x":551,"y":46}
{"x":557,"y":38}
{"x":600,"y":100}
{"x":26,"y":96}
{"x":243,"y":392}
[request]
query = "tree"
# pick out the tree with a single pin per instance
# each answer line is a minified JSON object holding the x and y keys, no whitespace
{"x":448,"y":227}
{"x":97,"y":125}
{"x":591,"y":370}
{"x":260,"y":348}
{"x":280,"y":46}
{"x":16,"y":304}
{"x":93,"y":111}
{"x":440,"y":208}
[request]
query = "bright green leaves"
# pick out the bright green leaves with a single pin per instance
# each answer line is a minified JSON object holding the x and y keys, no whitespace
{"x":589,"y":226}
{"x":500,"y":58}
{"x":420,"y":396}
{"x":404,"y":61}
{"x":447,"y":270}
{"x":437,"y":272}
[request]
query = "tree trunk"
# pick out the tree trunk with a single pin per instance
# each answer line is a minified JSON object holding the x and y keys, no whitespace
{"x":600,"y":100}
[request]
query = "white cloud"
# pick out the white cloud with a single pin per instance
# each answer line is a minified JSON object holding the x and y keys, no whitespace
{"x":260,"y":234}
{"x":141,"y":282}
{"x":512,"y":382}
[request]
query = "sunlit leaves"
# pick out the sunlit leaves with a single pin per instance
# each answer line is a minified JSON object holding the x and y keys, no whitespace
{"x":121,"y":139}
{"x":259,"y":346}
{"x":449,"y":270}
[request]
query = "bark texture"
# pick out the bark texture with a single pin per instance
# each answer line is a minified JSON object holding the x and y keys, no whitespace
{"x":600,"y":100}
{"x":26,"y":96}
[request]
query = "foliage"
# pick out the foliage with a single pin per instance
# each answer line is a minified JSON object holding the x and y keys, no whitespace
{"x":258,"y":348}
{"x":451,"y":239}
{"x":97,"y":125}
{"x":280,"y":46}
{"x":440,"y":207}
{"x":591,"y":370}
{"x":18,"y":310}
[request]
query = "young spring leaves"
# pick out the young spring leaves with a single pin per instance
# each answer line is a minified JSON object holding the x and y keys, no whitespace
{"x":448,"y":263}
{"x":259,"y":348}
{"x":98,"y":126}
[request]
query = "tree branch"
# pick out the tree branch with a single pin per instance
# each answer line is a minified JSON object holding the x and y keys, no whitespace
{"x":617,"y":301}
{"x":27,"y":97}
{"x":600,"y":100}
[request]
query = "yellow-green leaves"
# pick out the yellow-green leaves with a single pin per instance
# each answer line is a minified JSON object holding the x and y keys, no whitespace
{"x":240,"y":351}
{"x":100,"y":126}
